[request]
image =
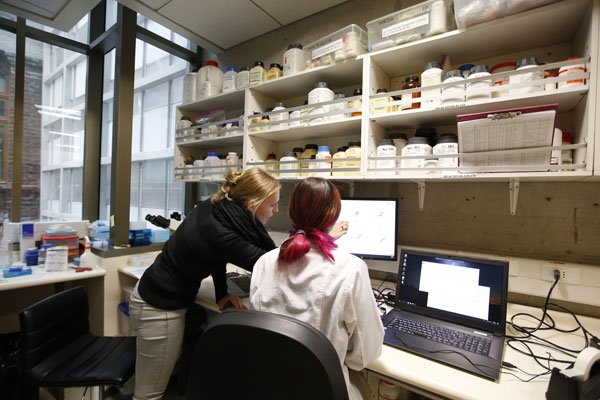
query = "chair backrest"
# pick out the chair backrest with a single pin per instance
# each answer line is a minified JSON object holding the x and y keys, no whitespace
{"x":51,"y":324}
{"x":257,"y":355}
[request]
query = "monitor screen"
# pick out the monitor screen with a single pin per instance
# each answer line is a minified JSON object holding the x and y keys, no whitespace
{"x":372,"y":228}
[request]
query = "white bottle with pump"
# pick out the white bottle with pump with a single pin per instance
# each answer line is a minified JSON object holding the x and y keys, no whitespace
{"x":86,"y":260}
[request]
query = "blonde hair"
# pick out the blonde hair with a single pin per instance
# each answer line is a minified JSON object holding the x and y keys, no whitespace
{"x":253,"y":185}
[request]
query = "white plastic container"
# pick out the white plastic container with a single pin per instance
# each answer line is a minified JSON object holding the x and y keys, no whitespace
{"x":386,"y":148}
{"x":454,"y":94}
{"x":353,"y":151}
{"x":432,"y":75}
{"x":210,"y":80}
{"x":87,"y":259}
{"x":232,"y":161}
{"x":447,"y":144}
{"x":285,"y":166}
{"x":342,"y":44}
{"x":320,"y":94}
{"x":400,"y":141}
{"x":198,"y":169}
{"x":229,"y":80}
{"x":213,"y":166}
{"x":258,"y":73}
{"x":524,"y":64}
{"x":281,"y":116}
{"x":294,"y":59}
{"x":478,"y":71}
{"x":339,"y":106}
{"x":324,"y":155}
{"x":417,"y":146}
{"x":569,"y":70}
{"x":190,"y":87}
{"x":556,"y":141}
{"x":338,"y":162}
{"x":379,"y":105}
{"x":502,"y":80}
{"x":242,"y":79}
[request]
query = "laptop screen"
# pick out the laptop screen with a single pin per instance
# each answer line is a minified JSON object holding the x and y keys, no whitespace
{"x":458,"y":289}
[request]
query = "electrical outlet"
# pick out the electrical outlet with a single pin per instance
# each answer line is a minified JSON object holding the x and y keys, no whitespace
{"x":569,"y":275}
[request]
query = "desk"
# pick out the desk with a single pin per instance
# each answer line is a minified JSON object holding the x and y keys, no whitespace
{"x":19,"y":292}
{"x":437,"y":381}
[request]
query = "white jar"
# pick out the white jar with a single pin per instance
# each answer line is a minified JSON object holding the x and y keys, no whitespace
{"x":323,"y":154}
{"x":213,"y":167}
{"x":389,"y":391}
{"x":438,"y":20}
{"x":210,"y":80}
{"x":293,"y":59}
{"x":523,"y":64}
{"x":293,"y":115}
{"x":232,"y":161}
{"x":478,"y":71}
{"x":400,"y":140}
{"x":447,"y":144}
{"x":229,"y":80}
{"x":242,"y":79}
{"x":198,"y":169}
{"x":337,"y":162}
{"x":320,"y":94}
{"x":258,"y":73}
{"x":190,"y":87}
{"x":352,"y":46}
{"x":386,"y":148}
{"x":285,"y":165}
{"x":569,"y":70}
{"x":432,"y":75}
{"x":454,"y":94}
{"x":280,"y":116}
{"x":339,"y":106}
{"x":184,"y":123}
{"x":354,"y":152}
{"x":380,"y":105}
{"x":502,"y":79}
{"x":417,"y":146}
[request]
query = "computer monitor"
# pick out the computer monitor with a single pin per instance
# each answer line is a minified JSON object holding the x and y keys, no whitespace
{"x":372,"y":228}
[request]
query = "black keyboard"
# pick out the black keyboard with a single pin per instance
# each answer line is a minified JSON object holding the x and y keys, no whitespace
{"x":242,"y":282}
{"x":460,"y":340}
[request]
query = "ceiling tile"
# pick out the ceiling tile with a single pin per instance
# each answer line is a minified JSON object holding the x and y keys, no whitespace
{"x":155,"y":4}
{"x":44,"y":8}
{"x":287,"y":12}
{"x":223,"y":22}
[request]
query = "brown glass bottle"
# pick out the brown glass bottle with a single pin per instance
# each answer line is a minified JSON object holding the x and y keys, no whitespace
{"x":411,"y":82}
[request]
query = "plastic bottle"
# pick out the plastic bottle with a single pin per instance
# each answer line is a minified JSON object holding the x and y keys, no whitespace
{"x":266,"y":120}
{"x":432,"y":75}
{"x":253,"y":121}
{"x":353,"y":152}
{"x":198,"y":169}
{"x":275,"y":71}
{"x":456,"y":93}
{"x":340,"y":154}
{"x":446,"y":144}
{"x":298,"y":152}
{"x":478,"y":71}
{"x":293,"y":59}
{"x":210,"y":80}
{"x":438,"y":22}
{"x":400,"y":140}
{"x":339,"y":106}
{"x":284,"y":166}
{"x":229,"y":79}
{"x":190,"y":87}
{"x":323,"y":154}
{"x":212,"y":165}
{"x":569,"y":70}
{"x":86,"y":260}
{"x":282,"y":116}
{"x":410,"y":82}
{"x":309,"y":150}
{"x":379,"y":105}
{"x":356,"y":104}
{"x":502,"y":80}
{"x":303,"y":113}
{"x":386,"y":148}
{"x":258,"y":74}
{"x":389,"y":391}
{"x":566,"y":156}
{"x":272,"y":166}
{"x":556,"y":141}
{"x":320,"y":94}
{"x":293,"y":115}
{"x":417,"y":145}
{"x":242,"y":79}
{"x":523,"y":64}
{"x":232,"y":161}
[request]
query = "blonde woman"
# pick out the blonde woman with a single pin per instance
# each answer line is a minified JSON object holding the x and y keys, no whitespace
{"x":229,"y":227}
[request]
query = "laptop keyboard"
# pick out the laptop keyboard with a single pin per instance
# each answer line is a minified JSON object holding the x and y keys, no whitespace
{"x":472,"y":343}
{"x":242,"y":281}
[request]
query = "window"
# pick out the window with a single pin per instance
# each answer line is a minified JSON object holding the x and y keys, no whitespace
{"x":7,"y":59}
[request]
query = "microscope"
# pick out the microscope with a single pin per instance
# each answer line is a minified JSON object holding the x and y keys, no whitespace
{"x":158,"y":220}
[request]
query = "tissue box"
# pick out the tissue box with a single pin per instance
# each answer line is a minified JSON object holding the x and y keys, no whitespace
{"x":345,"y":43}
{"x":421,"y":20}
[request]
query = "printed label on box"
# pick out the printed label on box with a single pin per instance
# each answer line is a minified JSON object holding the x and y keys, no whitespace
{"x":405,"y":26}
{"x":328,"y":48}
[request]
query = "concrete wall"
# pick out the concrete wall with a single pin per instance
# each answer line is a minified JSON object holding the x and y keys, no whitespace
{"x":555,"y":221}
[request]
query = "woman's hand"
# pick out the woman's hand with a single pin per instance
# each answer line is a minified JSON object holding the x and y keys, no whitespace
{"x":231,"y":301}
{"x":339,"y":229}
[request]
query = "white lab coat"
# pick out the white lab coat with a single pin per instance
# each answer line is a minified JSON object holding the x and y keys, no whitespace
{"x":334,"y":297}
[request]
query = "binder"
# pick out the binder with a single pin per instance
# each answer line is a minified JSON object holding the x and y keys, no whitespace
{"x":515,"y":128}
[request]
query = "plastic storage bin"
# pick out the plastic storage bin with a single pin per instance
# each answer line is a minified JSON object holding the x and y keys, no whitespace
{"x":471,"y":12}
{"x":345,"y":43}
{"x":421,"y":20}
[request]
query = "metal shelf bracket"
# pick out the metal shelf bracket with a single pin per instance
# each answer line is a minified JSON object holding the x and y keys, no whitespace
{"x":421,"y":190}
{"x":513,"y":191}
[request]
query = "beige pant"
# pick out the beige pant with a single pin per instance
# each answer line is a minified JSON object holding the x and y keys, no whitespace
{"x":159,"y":338}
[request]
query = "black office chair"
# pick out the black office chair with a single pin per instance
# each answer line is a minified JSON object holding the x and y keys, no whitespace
{"x":257,"y":355}
{"x":58,"y":350}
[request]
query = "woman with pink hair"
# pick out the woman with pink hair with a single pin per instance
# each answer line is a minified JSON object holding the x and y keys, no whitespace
{"x":309,"y":279}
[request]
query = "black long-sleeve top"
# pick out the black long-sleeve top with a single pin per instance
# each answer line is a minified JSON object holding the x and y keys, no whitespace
{"x":211,"y":236}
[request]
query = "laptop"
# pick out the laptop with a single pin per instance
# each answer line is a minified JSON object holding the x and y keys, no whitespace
{"x":451,"y":309}
{"x":238,"y":284}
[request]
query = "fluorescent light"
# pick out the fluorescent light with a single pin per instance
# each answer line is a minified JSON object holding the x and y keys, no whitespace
{"x":64,"y":134}
{"x":59,"y":112}
{"x":59,"y":115}
{"x":68,"y":145}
